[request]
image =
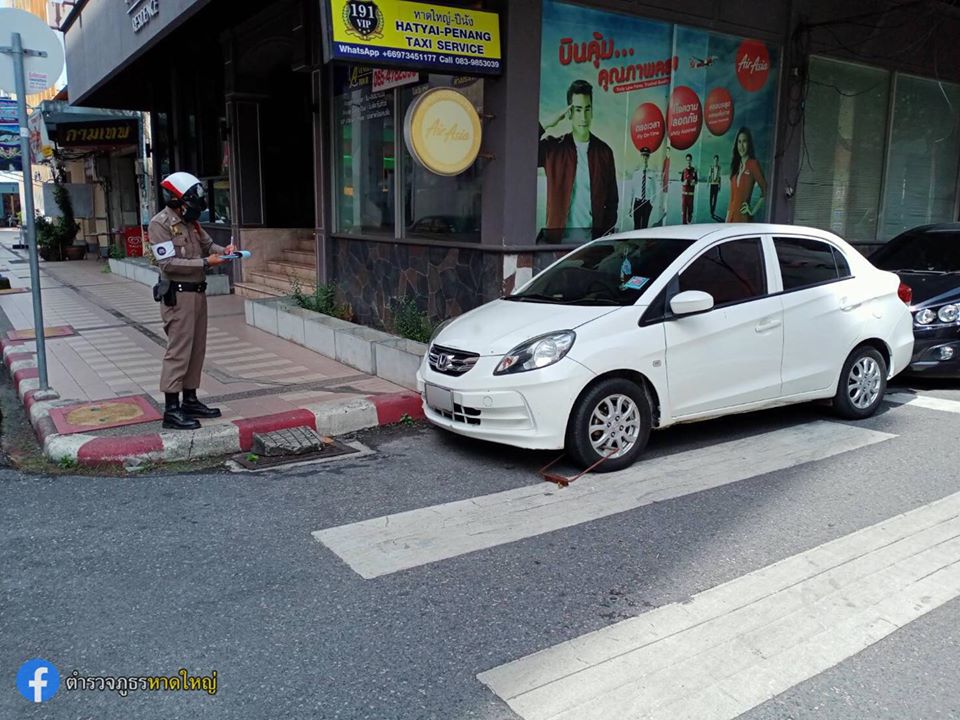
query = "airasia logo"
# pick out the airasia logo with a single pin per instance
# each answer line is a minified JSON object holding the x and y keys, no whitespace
{"x":753,"y":65}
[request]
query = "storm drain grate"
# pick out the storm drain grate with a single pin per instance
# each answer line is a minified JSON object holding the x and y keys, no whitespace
{"x":292,"y":445}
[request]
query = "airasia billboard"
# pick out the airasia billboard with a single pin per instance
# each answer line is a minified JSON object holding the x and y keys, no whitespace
{"x":642,"y":95}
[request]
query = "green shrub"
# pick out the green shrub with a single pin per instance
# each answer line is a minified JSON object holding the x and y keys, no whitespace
{"x":60,"y":233}
{"x":322,"y":300}
{"x":411,"y":322}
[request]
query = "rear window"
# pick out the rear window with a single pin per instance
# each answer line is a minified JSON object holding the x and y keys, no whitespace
{"x":930,"y":250}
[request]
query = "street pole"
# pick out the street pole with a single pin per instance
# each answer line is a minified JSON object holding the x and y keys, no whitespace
{"x":17,"y":47}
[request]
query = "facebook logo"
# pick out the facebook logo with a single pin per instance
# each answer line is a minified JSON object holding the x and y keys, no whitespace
{"x":38,"y":680}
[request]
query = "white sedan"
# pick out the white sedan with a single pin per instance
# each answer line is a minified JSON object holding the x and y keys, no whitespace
{"x":654,"y":327}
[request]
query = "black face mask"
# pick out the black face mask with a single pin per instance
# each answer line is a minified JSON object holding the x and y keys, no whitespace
{"x":192,"y":207}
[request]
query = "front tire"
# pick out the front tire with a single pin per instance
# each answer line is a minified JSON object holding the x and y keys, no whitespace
{"x":863,"y":382}
{"x":611,"y":418}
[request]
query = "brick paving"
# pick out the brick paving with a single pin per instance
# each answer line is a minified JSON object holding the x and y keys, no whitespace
{"x":119,"y":345}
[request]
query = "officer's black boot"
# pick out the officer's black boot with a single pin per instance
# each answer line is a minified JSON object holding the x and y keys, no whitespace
{"x":194,"y":408}
{"x":174,"y":416}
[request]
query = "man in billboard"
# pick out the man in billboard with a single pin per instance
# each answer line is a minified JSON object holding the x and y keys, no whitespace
{"x":644,"y":188}
{"x":688,"y":184}
{"x":581,"y":176}
{"x":714,"y":180}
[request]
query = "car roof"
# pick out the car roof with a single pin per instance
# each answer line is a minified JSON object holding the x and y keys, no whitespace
{"x":701,"y":231}
{"x":937,"y":227}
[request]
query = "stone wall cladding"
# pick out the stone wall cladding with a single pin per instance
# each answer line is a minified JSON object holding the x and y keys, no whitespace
{"x":444,"y":281}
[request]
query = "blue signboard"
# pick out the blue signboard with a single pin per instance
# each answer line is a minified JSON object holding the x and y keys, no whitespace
{"x":8,"y":111}
{"x":9,"y":188}
{"x":10,"y":147}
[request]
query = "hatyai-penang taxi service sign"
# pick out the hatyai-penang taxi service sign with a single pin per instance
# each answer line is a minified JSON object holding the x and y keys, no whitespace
{"x":413,"y":34}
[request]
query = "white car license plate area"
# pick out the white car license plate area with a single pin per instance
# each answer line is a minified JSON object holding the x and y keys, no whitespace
{"x":439,"y":398}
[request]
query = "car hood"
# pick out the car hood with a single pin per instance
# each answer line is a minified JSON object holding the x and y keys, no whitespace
{"x":501,"y":325}
{"x":929,"y":289}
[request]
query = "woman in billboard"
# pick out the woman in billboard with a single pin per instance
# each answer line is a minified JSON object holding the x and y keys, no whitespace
{"x":745,"y":172}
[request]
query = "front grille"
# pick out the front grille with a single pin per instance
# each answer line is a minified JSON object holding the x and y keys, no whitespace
{"x":449,"y":361}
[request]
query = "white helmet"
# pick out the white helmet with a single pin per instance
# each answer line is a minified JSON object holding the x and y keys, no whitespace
{"x":183,"y":190}
{"x":180,"y":183}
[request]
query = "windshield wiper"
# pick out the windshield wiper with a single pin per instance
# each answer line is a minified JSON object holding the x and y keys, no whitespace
{"x":533,"y":297}
{"x":918,"y":271}
{"x":593,"y":301}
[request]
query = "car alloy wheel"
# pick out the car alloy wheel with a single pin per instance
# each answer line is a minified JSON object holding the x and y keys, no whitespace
{"x":614,"y":426}
{"x":609,"y":424}
{"x":863,"y":382}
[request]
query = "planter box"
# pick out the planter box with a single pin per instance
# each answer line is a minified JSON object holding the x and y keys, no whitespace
{"x":141,"y":271}
{"x":366,"y":349}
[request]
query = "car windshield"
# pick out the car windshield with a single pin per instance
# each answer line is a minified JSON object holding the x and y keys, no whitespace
{"x":931,"y":250}
{"x":604,"y":272}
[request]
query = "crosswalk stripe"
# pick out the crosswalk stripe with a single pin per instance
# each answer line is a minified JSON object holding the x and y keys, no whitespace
{"x":388,"y":544}
{"x":739,"y":644}
{"x":924,"y":401}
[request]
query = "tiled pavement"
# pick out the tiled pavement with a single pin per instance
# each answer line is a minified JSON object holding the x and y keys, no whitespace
{"x":119,"y":346}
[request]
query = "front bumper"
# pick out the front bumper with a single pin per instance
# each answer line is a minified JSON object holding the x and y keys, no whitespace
{"x":526,"y":410}
{"x":927,"y":346}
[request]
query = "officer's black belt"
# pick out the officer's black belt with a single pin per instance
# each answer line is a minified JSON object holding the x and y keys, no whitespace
{"x":190,"y":287}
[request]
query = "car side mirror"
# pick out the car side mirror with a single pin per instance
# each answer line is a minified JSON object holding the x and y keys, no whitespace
{"x":691,"y":301}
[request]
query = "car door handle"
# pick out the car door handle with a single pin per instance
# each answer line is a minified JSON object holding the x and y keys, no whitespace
{"x":767,"y":325}
{"x":847,"y":305}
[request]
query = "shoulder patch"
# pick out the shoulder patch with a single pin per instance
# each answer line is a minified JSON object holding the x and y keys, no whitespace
{"x":163,"y":250}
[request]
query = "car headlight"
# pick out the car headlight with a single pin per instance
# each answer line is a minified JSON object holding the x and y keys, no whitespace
{"x":948,"y":313}
{"x":537,"y":353}
{"x":925,"y":316}
{"x":437,"y":330}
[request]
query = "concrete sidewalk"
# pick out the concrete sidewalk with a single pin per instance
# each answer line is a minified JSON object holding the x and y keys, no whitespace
{"x":105,"y":344}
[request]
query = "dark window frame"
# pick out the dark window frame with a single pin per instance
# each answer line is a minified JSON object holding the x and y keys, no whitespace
{"x":834,"y":252}
{"x":758,"y":239}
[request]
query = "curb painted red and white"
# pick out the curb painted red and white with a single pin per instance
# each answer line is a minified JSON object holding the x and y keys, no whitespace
{"x":329,"y":418}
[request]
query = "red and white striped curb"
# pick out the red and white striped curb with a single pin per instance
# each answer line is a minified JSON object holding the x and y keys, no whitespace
{"x":328,"y":418}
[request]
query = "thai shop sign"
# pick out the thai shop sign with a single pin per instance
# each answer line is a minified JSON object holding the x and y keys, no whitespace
{"x":97,"y":134}
{"x":680,"y":122}
{"x":415,"y":35}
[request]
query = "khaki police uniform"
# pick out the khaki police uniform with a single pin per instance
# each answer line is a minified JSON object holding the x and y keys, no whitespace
{"x":185,"y":323}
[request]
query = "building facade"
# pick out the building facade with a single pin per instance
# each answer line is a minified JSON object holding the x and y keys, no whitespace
{"x":843,"y":117}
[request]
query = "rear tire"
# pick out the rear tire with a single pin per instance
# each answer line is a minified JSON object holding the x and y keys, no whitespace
{"x":863,"y":382}
{"x":613,"y":417}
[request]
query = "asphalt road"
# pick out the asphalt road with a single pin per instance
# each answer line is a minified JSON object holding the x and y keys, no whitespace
{"x":144,"y":575}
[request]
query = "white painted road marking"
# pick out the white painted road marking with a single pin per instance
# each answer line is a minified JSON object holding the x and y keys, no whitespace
{"x":385,"y":545}
{"x":739,"y":644}
{"x":924,"y":401}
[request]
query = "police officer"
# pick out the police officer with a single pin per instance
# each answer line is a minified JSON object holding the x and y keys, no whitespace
{"x":184,"y":252}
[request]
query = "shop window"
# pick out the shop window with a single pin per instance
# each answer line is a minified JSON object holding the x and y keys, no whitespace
{"x":365,"y":149}
{"x":436,"y":206}
{"x":218,"y":201}
{"x":844,"y":133}
{"x":920,"y":185}
{"x":867,"y":174}
{"x":731,"y":272}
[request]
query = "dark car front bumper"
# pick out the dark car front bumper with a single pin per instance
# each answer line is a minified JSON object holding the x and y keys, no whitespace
{"x":926,"y":351}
